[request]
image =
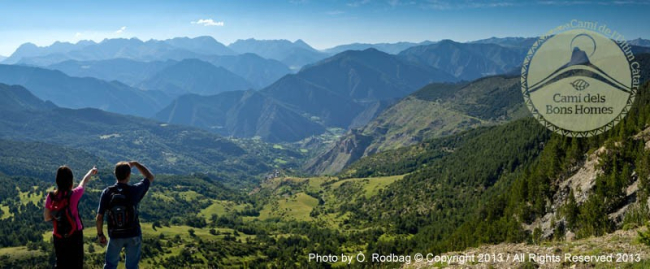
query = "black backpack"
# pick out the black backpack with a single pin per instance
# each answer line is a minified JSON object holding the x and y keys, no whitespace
{"x":122,"y":214}
{"x":64,"y":223}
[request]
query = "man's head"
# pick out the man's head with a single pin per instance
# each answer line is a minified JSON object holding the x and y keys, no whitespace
{"x":123,"y":171}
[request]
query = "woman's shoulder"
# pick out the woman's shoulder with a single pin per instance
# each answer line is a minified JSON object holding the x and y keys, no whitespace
{"x":77,"y":192}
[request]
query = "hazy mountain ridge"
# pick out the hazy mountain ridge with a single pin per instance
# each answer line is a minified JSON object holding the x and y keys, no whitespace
{"x":16,"y":97}
{"x":240,"y":114}
{"x":135,"y":49}
{"x":114,"y":137}
{"x":294,"y":54}
{"x":513,"y":42}
{"x":194,"y":76}
{"x":390,"y":48}
{"x":466,"y":61}
{"x":345,"y":90}
{"x":31,"y":50}
{"x":640,"y":42}
{"x":128,"y":71}
{"x":75,"y":92}
{"x":258,"y":71}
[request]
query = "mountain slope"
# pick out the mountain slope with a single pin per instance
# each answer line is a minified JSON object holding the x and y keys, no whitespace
{"x":257,"y":70}
{"x":343,"y":91}
{"x":83,"y":92}
{"x":293,"y":54}
{"x":114,"y":137}
{"x":18,"y":98}
{"x":240,"y":114}
{"x":194,"y":76}
{"x":436,"y":110}
{"x":347,"y":89}
{"x":467,"y":61}
{"x":18,"y":158}
{"x":127,"y":71}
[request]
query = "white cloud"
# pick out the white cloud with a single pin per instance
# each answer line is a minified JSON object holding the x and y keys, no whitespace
{"x":121,"y":30}
{"x":335,"y":12}
{"x":77,"y":35}
{"x":358,"y":3}
{"x":465,"y":4}
{"x":208,"y":22}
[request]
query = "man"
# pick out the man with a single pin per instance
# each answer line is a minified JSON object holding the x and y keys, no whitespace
{"x":120,"y":203}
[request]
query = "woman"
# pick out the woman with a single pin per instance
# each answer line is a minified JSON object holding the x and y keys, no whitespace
{"x":61,"y":208}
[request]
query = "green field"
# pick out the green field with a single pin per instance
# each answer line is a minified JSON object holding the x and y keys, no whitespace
{"x":296,"y":207}
{"x":292,"y":199}
{"x":5,"y":212}
{"x":371,"y":186}
{"x":283,"y":198}
{"x":179,"y":234}
{"x":20,"y":253}
{"x":33,"y":196}
{"x":220,"y":208}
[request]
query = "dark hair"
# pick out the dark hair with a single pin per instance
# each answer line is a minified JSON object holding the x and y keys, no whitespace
{"x":64,"y":178}
{"x":122,"y":171}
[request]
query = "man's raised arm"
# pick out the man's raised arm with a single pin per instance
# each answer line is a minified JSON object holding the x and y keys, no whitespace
{"x":143,"y":170}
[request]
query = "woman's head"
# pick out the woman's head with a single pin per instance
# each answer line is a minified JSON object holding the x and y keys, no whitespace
{"x":64,"y":178}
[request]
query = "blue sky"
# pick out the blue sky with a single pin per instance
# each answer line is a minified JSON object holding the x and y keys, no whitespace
{"x":322,"y":24}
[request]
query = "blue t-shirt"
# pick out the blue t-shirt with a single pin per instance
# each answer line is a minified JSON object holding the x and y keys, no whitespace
{"x":136,"y":193}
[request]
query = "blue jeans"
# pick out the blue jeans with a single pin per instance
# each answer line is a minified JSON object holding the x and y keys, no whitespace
{"x":132,"y":246}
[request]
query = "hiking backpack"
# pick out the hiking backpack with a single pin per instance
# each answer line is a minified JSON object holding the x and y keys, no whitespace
{"x":122,"y":214}
{"x":64,"y":223}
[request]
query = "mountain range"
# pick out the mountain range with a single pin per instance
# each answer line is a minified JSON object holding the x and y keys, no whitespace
{"x":343,"y":91}
{"x":508,"y":42}
{"x":294,"y":54}
{"x":134,"y":49}
{"x":640,"y":42}
{"x":390,"y":48}
{"x":194,"y":76}
{"x":73,"y":92}
{"x":127,"y":71}
{"x":467,"y":61}
{"x":346,"y":90}
{"x":439,"y":109}
{"x":436,"y":110}
{"x":259,"y":72}
{"x":241,"y":114}
{"x":113,"y":137}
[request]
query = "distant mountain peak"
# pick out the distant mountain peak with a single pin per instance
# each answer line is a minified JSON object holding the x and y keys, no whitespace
{"x":15,"y":97}
{"x":121,"y":40}
{"x":302,"y":43}
{"x":27,"y":45}
{"x":447,"y":41}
